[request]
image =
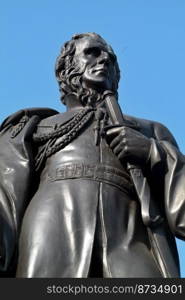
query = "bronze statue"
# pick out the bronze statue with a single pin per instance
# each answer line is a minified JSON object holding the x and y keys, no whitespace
{"x":82,"y":195}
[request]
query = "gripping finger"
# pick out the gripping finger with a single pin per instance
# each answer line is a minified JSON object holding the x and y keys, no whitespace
{"x":115,"y":142}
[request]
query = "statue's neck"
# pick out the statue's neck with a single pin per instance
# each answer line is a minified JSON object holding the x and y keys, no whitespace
{"x":72,"y":102}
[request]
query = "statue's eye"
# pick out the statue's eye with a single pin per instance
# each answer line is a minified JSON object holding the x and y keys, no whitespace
{"x":94,"y":51}
{"x":112,"y":57}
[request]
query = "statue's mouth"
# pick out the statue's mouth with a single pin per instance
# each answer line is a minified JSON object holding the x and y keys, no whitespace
{"x":100,"y":70}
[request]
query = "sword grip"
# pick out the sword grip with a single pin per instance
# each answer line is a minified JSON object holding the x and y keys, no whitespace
{"x":140,"y":182}
{"x":114,"y":110}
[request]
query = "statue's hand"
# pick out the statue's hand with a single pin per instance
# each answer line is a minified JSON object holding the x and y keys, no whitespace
{"x":128,"y":144}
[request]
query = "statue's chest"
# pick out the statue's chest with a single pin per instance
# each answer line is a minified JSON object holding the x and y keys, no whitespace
{"x":89,"y":147}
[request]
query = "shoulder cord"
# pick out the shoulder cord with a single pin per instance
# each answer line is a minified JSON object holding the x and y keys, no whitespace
{"x":70,"y":135}
{"x":65,"y":128}
{"x":65,"y":134}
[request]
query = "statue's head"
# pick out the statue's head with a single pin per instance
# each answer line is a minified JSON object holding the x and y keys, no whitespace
{"x":87,"y":67}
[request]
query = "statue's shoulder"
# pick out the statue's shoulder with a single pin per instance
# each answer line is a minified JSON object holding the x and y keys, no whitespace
{"x":52,"y":122}
{"x":140,"y":122}
{"x":15,"y":118}
{"x":152,"y":129}
{"x":143,"y":125}
{"x":58,"y":118}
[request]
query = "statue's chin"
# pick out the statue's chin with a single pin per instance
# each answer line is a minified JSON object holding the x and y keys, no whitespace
{"x":99,"y":83}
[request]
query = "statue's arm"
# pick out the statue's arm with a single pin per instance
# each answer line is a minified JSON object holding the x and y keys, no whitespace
{"x":16,"y":178}
{"x":153,"y":148}
{"x":174,"y":179}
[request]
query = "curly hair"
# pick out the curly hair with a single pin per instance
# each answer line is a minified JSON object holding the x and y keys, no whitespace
{"x":69,"y":73}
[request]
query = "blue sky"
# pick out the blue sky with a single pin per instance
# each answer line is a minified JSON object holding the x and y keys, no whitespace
{"x":147,"y":36}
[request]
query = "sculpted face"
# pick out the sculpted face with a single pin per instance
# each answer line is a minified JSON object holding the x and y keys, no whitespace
{"x":98,"y":59}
